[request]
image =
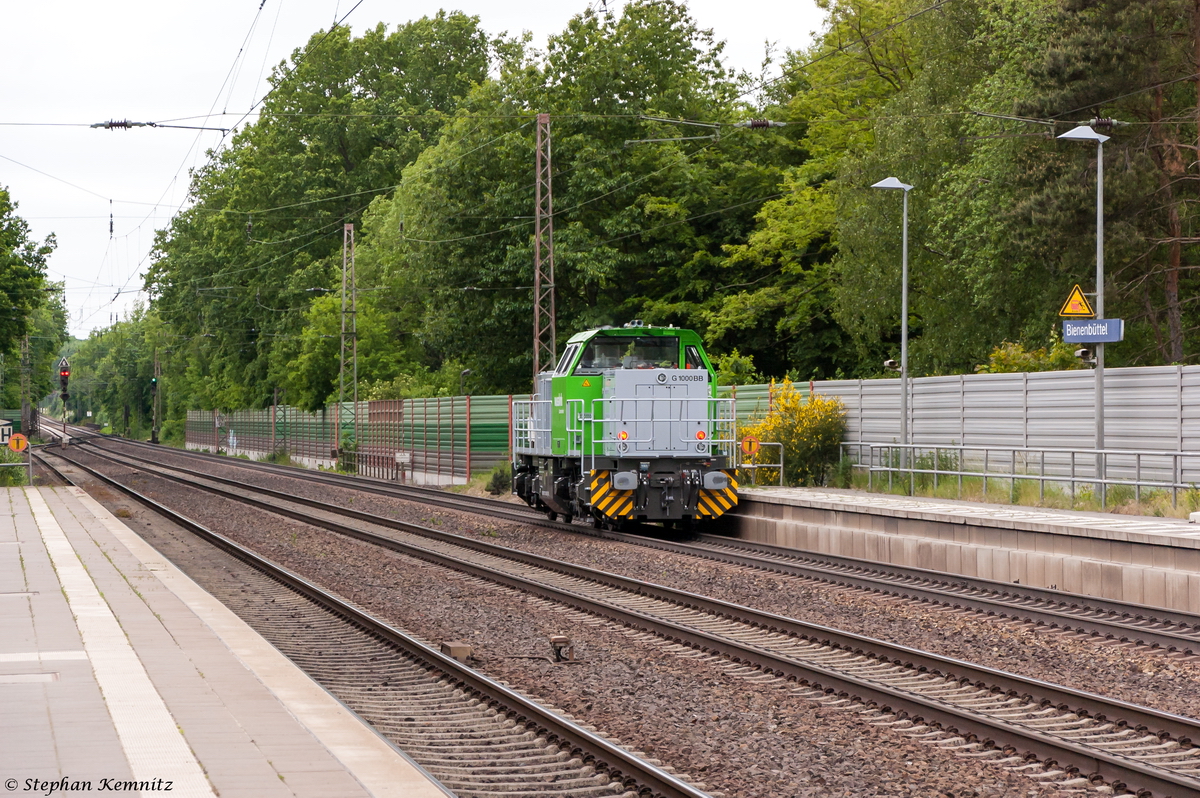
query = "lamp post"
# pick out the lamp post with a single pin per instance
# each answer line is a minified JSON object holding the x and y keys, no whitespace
{"x":893,"y":183}
{"x":462,"y":376}
{"x":1086,"y":133}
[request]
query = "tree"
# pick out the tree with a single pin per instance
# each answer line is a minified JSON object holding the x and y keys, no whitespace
{"x":22,"y":273}
{"x":237,"y":272}
{"x":867,"y":55}
{"x":640,"y":229}
{"x":1133,"y":61}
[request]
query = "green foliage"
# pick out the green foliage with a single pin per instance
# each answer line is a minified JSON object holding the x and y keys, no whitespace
{"x":1014,"y":357}
{"x":770,"y":243}
{"x":22,"y":274}
{"x":811,"y":432}
{"x":29,"y":306}
{"x":111,"y":372}
{"x":281,"y":457}
{"x":419,"y":382}
{"x":236,"y":274}
{"x":640,"y":230}
{"x":500,"y":480}
{"x":736,"y":369}
{"x":11,"y":477}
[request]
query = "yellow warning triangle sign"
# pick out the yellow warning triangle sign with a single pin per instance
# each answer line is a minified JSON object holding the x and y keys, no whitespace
{"x":1077,"y":305}
{"x":587,"y":383}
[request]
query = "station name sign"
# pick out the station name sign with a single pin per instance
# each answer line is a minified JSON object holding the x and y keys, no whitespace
{"x":1093,"y":331}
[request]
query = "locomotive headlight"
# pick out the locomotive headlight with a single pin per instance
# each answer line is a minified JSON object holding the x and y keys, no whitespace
{"x":702,"y":447}
{"x":623,"y":435}
{"x":701,"y":434}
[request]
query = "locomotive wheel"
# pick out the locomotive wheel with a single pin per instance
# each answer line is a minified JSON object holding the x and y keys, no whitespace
{"x":598,"y":521}
{"x":551,"y":515}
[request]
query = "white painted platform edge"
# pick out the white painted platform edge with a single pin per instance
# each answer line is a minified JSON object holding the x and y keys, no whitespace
{"x":153,"y":745}
{"x":383,"y":770}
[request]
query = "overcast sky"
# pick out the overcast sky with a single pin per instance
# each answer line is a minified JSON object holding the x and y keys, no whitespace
{"x":68,"y":64}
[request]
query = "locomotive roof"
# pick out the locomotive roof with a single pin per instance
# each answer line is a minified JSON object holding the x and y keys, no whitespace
{"x":686,"y":336}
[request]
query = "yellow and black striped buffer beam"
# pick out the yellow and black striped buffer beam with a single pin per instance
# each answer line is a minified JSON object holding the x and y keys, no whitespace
{"x":715,"y":503}
{"x":611,"y":503}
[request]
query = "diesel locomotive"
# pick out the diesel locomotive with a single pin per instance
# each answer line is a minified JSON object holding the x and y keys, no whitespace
{"x":627,"y":427}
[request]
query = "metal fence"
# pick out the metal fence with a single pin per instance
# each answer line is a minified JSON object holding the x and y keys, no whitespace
{"x":1004,"y":469}
{"x":1151,"y":408}
{"x":1037,"y":426}
{"x":442,"y":440}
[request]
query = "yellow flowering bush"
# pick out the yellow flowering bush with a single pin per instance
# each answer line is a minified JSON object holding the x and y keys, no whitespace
{"x":810,"y":430}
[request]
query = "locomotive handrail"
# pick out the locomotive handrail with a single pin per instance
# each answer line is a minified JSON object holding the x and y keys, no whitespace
{"x":714,"y":444}
{"x":533,"y":430}
{"x":525,"y":431}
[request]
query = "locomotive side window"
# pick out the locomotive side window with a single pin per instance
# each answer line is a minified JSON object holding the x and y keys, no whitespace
{"x":692,"y":358}
{"x":628,"y":352}
{"x":564,"y":363}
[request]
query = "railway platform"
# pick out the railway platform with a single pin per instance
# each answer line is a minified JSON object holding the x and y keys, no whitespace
{"x":120,"y":676}
{"x":1136,"y":559}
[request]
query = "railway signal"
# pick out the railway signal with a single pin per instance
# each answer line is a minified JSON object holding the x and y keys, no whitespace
{"x":64,"y":374}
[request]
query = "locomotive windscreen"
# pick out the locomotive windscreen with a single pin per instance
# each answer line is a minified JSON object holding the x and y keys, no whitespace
{"x":627,"y":352}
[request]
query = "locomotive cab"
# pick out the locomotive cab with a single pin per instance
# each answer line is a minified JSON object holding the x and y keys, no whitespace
{"x":627,"y":428}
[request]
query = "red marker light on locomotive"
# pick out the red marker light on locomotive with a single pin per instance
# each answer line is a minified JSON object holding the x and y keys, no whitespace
{"x":701,"y":435}
{"x":623,"y":435}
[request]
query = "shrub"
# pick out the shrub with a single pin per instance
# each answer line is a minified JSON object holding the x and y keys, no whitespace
{"x":281,"y":457}
{"x":12,"y":477}
{"x":811,"y":432}
{"x":501,"y":479}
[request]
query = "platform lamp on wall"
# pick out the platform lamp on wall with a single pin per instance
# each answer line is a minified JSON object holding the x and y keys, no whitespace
{"x":893,"y":183}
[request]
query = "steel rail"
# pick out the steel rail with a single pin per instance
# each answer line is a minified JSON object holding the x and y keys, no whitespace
{"x":508,"y":510}
{"x":616,"y":762}
{"x":1126,"y":621}
{"x":1115,"y":768}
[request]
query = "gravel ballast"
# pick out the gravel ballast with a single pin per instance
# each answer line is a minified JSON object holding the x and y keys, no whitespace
{"x":739,"y":737}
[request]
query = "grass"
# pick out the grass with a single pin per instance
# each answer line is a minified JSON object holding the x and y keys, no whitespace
{"x":496,"y":482}
{"x":282,"y":458}
{"x":1121,"y":499}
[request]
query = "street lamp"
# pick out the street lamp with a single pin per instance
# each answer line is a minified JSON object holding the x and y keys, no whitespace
{"x":462,"y":375}
{"x":1085,"y":133}
{"x":893,"y":183}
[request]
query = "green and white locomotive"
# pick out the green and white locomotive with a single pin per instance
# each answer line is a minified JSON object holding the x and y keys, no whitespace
{"x":626,"y":428}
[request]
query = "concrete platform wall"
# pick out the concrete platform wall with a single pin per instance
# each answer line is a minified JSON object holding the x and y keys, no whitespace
{"x":1140,"y":573}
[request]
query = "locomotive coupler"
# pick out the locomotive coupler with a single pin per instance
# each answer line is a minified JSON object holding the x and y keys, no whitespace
{"x":643,"y":488}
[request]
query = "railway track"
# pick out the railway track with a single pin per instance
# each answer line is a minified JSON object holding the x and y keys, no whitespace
{"x":1078,"y":737}
{"x":476,"y":736}
{"x":1154,"y":628}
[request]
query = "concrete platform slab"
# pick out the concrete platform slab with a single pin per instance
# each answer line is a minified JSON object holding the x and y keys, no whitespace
{"x":115,"y":665}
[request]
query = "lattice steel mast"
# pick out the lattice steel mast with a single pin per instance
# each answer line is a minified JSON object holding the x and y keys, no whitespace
{"x":544,"y":342}
{"x":349,"y":330}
